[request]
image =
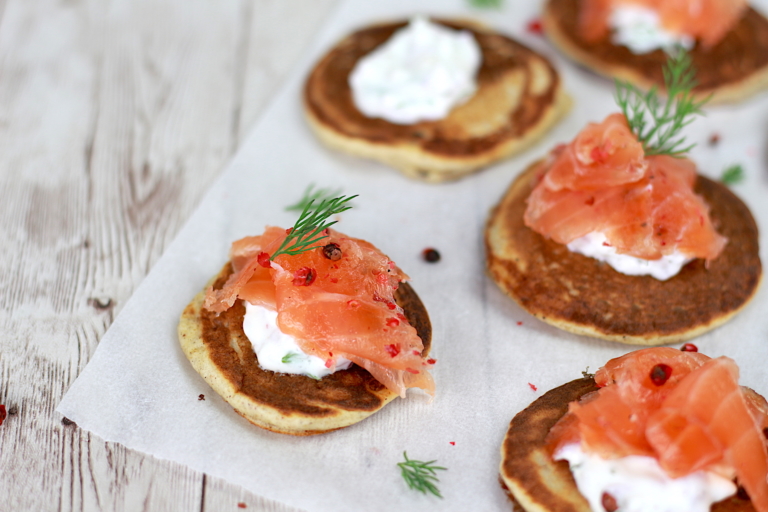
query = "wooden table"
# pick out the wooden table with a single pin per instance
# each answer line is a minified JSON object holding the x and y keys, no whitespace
{"x":115,"y":117}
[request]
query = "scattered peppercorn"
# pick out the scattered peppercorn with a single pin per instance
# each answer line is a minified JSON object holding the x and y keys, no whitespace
{"x":332,"y":252}
{"x":452,"y":443}
{"x":689,"y":347}
{"x":535,"y":27}
{"x":305,"y":276}
{"x":714,"y":139}
{"x":66,"y":421}
{"x":392,"y":350}
{"x":660,"y":374}
{"x":13,"y":410}
{"x":431,"y":255}
{"x":263,"y":259}
{"x":533,"y":387}
{"x":200,"y":397}
{"x":241,"y":505}
{"x":609,"y":503}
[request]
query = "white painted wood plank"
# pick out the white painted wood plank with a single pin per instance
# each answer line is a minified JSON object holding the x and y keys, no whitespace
{"x":114,"y":119}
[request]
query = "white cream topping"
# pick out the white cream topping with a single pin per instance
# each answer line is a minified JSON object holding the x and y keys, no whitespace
{"x":639,"y":29}
{"x":639,"y":484}
{"x":595,"y":245}
{"x":278,"y":351}
{"x":419,"y":74}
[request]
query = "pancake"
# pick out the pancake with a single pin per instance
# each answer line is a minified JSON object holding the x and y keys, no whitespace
{"x":585,"y":296}
{"x":519,"y":98}
{"x":221,"y":353}
{"x":535,"y":482}
{"x":733,"y":69}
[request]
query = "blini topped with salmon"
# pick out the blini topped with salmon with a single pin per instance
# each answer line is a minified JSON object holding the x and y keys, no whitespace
{"x":656,"y":429}
{"x":307,"y":341}
{"x":615,"y":236}
{"x":627,"y":39}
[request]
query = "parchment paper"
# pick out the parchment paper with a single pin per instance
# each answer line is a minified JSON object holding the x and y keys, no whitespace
{"x":140,"y":390}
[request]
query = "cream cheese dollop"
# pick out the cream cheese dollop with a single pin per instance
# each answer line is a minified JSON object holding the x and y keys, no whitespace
{"x":639,"y":29}
{"x":279,"y":352}
{"x":639,"y":484}
{"x":419,"y":74}
{"x":595,"y":245}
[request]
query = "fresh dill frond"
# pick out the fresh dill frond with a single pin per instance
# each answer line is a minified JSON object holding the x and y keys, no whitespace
{"x":308,"y":230}
{"x":310,"y":195}
{"x":486,"y":4}
{"x":289,"y":357}
{"x":732,"y":174}
{"x":421,"y":476}
{"x":658,"y":123}
{"x":587,"y":375}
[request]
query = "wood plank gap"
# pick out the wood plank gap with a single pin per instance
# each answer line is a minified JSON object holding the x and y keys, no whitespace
{"x":202,"y":495}
{"x":241,"y":66}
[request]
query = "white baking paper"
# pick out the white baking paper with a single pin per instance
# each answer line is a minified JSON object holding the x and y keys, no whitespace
{"x":139,"y":389}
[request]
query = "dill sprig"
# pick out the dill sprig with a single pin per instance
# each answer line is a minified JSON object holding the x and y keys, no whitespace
{"x":483,"y":4}
{"x":733,"y":174}
{"x":587,"y":375}
{"x":308,"y":230}
{"x":421,"y":476}
{"x":310,"y":195}
{"x":658,"y":123}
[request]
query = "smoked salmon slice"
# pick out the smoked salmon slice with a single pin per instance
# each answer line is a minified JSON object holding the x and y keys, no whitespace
{"x":333,"y":307}
{"x":683,"y":408}
{"x":706,"y":20}
{"x":602,"y":181}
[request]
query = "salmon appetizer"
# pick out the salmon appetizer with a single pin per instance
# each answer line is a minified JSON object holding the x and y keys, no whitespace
{"x":306,"y":330}
{"x":336,"y":301}
{"x":656,"y":429}
{"x":593,"y":237}
{"x":630,"y":39}
{"x":644,"y":206}
{"x":707,"y":21}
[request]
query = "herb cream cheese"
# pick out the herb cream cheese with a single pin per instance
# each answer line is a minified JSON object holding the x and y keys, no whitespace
{"x":279,"y":352}
{"x":640,"y":29}
{"x":419,"y":74}
{"x":639,"y":484}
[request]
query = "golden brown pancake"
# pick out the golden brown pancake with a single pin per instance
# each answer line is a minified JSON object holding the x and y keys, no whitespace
{"x":221,"y":353}
{"x":585,"y":296}
{"x":733,"y":69}
{"x":535,"y":482}
{"x":519,"y":98}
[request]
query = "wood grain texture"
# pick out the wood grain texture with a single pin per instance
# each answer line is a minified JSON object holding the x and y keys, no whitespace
{"x":115,"y":116}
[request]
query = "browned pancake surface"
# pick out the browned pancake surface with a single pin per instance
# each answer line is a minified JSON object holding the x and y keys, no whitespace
{"x":736,"y":59}
{"x":346,"y":394}
{"x":582,"y":295}
{"x":484,"y":127}
{"x":538,"y":483}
